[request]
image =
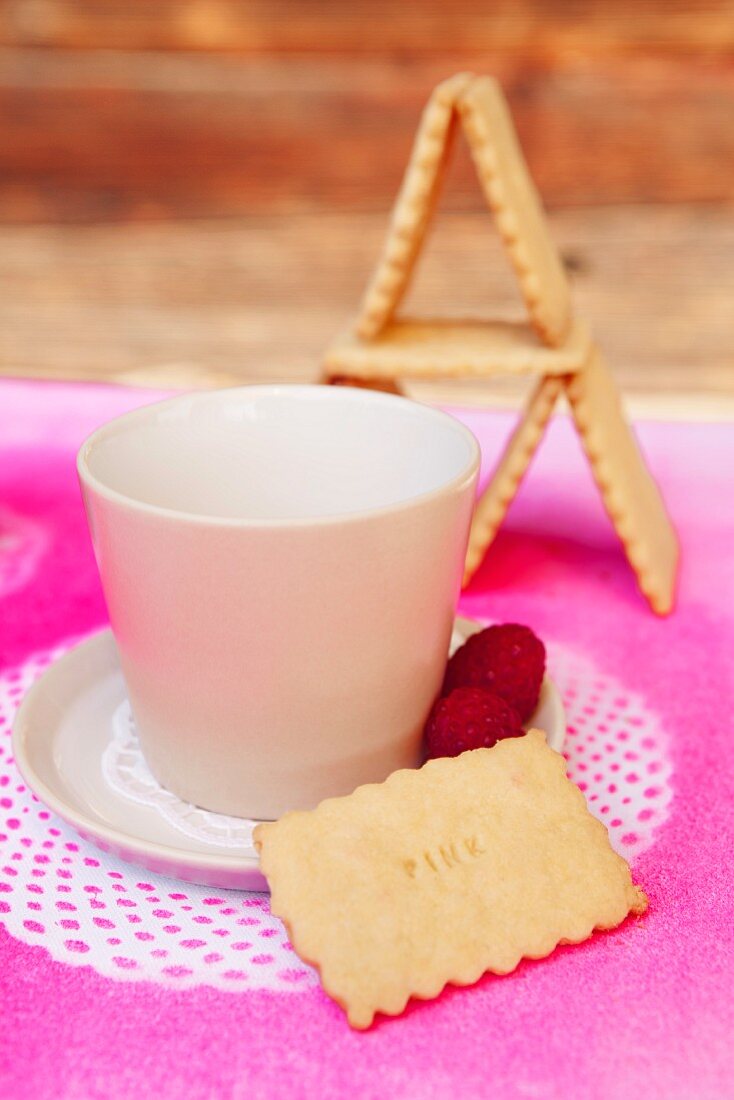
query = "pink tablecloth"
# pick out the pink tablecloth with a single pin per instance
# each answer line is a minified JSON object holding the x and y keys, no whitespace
{"x":115,"y":983}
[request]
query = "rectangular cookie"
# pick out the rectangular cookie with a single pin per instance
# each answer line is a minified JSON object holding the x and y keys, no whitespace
{"x":440,"y":874}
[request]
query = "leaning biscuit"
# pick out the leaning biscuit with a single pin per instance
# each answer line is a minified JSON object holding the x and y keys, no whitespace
{"x":511,"y":193}
{"x":491,"y":507}
{"x":413,"y":207}
{"x":438,"y":875}
{"x":631,"y":497}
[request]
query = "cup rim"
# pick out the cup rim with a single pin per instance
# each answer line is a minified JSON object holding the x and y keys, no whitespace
{"x":100,"y":489}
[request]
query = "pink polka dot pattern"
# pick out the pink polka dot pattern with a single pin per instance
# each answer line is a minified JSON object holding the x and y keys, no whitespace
{"x":617,"y":752}
{"x":90,"y":909}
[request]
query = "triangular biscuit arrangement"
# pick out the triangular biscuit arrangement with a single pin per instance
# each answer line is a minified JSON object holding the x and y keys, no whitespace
{"x":554,"y":346}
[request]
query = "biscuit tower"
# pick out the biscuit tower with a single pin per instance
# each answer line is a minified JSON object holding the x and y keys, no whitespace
{"x":552,"y":345}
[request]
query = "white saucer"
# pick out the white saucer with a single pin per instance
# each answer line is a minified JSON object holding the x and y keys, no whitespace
{"x":61,"y":740}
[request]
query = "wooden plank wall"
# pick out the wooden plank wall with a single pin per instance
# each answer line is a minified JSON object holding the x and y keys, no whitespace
{"x":114,"y":110}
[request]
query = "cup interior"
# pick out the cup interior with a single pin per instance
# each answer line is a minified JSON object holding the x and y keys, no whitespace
{"x":278,"y":453}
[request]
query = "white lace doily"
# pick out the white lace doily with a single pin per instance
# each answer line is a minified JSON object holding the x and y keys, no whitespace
{"x":127,"y":774}
{"x":89,"y":908}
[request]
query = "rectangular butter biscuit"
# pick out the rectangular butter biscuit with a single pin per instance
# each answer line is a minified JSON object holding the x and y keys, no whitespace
{"x":440,"y":874}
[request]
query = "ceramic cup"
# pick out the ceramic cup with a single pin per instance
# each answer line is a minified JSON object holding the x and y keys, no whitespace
{"x":281,"y":566}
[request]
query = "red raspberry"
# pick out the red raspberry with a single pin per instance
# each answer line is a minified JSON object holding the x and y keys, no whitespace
{"x":469,"y":718}
{"x":507,"y":660}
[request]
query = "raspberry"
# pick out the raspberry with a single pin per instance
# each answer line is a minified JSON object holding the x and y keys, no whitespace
{"x":507,"y":660}
{"x":469,"y":718}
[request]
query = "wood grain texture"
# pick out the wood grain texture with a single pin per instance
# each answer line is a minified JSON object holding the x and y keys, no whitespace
{"x":89,"y":136}
{"x":213,"y":303}
{"x":363,"y":26}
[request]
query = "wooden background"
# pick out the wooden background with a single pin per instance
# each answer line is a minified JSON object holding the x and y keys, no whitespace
{"x":194,"y":191}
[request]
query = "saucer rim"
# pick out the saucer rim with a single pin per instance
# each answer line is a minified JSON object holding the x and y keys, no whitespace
{"x":179,"y":860}
{"x":86,"y":826}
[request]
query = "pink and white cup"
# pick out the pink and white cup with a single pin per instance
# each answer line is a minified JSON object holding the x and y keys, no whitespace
{"x":281,"y":566}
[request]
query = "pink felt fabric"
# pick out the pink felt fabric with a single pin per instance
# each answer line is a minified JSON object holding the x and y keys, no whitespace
{"x":644,"y":1010}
